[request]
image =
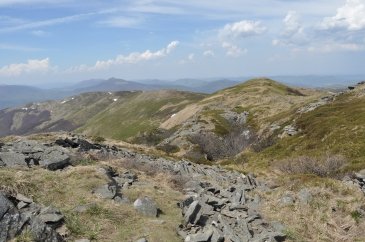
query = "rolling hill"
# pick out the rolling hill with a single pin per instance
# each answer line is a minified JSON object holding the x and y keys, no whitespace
{"x":112,"y":114}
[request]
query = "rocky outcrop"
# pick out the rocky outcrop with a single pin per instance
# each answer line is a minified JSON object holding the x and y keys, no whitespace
{"x":19,"y":213}
{"x":220,"y":205}
{"x":357,"y":179}
{"x":28,"y":153}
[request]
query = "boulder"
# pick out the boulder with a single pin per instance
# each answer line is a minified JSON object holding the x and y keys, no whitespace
{"x":146,"y":206}
{"x":54,"y":158}
{"x":286,"y":200}
{"x":200,"y":237}
{"x":304,"y":196}
{"x":12,"y":159}
{"x":142,"y":240}
{"x":106,"y":191}
{"x":193,"y":213}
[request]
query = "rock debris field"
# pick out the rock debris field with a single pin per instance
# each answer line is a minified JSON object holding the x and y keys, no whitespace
{"x":219,"y":205}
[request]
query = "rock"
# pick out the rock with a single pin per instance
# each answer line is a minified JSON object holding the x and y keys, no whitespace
{"x":286,"y":200}
{"x":106,"y":191}
{"x":54,"y":158}
{"x":22,"y":204}
{"x":122,"y":199}
{"x":23,"y":198}
{"x":193,"y":213}
{"x":50,"y":215}
{"x":200,"y":237}
{"x":146,"y":206}
{"x":304,"y":196}
{"x":66,"y":143}
{"x":278,"y":227}
{"x":142,"y":240}
{"x":217,"y":235}
{"x":12,"y":159}
{"x":82,"y":240}
{"x":14,"y":221}
{"x":83,"y":208}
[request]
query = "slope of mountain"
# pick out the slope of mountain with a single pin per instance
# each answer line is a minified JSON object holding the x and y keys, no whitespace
{"x":334,"y":128}
{"x":118,"y":115}
{"x":111,"y":85}
{"x":250,"y":109}
{"x":14,"y":95}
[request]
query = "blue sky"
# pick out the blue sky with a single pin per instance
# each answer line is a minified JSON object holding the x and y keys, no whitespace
{"x":48,"y":41}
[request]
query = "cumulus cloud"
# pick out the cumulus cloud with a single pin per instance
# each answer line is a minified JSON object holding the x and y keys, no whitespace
{"x":242,"y":29}
{"x":132,"y":58}
{"x":233,"y":50}
{"x":351,"y":17}
{"x":209,"y":53}
{"x":293,"y":33}
{"x":121,"y":22}
{"x":31,"y":66}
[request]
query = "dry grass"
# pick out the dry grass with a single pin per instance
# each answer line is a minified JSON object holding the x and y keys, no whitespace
{"x":328,"y":166}
{"x":106,"y":220}
{"x":328,"y":217}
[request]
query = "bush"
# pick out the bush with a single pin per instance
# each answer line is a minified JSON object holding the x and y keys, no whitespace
{"x":98,"y":139}
{"x":328,"y":166}
{"x":231,"y":144}
{"x":168,"y":148}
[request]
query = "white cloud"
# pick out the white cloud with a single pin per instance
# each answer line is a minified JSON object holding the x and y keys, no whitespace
{"x":31,"y":66}
{"x":242,"y":29}
{"x":233,"y":50}
{"x":121,"y":22}
{"x":209,"y":53}
{"x":132,"y":58}
{"x":335,"y":47}
{"x":293,"y":33}
{"x":39,"y":33}
{"x":191,"y":57}
{"x":350,"y":16}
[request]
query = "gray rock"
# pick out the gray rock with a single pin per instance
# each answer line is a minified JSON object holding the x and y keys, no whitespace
{"x":12,"y":159}
{"x":122,"y":199}
{"x":217,"y":235}
{"x":83,"y":208}
{"x":142,"y":240}
{"x":23,"y":198}
{"x":146,"y":206}
{"x":54,"y":158}
{"x":304,"y":196}
{"x":22,"y":204}
{"x":193,"y":213}
{"x":200,"y":237}
{"x":286,"y":200}
{"x":106,"y":191}
{"x":50,"y":215}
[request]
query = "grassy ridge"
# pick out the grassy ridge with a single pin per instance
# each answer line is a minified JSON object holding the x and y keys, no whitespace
{"x":141,"y":112}
{"x":336,"y":128}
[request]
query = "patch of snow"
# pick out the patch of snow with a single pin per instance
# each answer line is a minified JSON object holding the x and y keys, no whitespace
{"x":65,"y":101}
{"x":173,"y":115}
{"x":110,"y":93}
{"x":26,"y":109}
{"x":115,"y":99}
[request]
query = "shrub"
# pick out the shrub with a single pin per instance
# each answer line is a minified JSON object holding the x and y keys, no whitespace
{"x":168,"y":148}
{"x":231,"y":144}
{"x":328,"y":166}
{"x":98,"y":139}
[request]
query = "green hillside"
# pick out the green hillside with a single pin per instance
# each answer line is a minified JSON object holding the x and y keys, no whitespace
{"x":137,"y":113}
{"x":336,"y":128}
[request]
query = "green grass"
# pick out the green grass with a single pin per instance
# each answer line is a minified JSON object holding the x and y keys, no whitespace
{"x":221,"y":125}
{"x":337,"y":128}
{"x":142,"y":112}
